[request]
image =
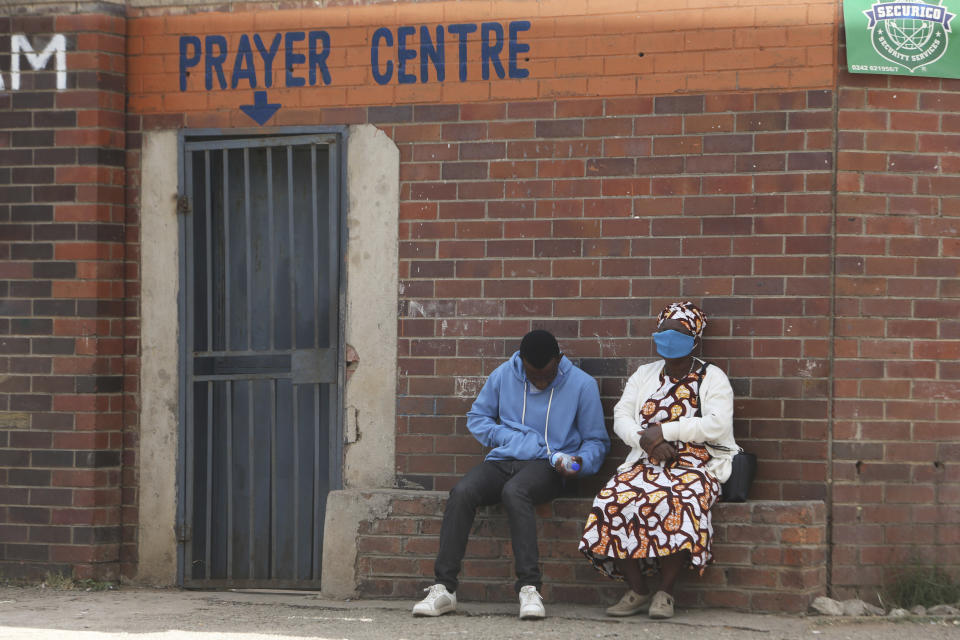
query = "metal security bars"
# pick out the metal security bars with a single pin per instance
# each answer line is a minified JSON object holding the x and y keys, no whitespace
{"x":261,"y":332}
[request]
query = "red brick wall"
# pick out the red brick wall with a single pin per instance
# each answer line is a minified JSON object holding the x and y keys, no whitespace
{"x":769,"y":556}
{"x":61,"y":301}
{"x":704,"y":169}
{"x":896,"y":496}
{"x":585,"y":217}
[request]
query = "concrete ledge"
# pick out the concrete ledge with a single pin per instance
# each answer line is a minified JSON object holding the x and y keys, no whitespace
{"x":770,"y":556}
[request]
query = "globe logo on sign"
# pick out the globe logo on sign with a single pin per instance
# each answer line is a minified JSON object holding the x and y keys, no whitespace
{"x":911,"y":33}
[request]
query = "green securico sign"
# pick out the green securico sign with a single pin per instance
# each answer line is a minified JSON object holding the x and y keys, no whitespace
{"x":909,"y":37}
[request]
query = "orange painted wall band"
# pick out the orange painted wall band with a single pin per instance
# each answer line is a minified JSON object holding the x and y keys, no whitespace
{"x":392,"y":54}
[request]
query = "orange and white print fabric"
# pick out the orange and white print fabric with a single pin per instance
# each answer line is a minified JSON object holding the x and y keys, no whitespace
{"x":654,"y":510}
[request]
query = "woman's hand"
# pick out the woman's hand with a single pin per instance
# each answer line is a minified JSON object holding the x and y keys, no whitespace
{"x":664,"y":453}
{"x":651,"y":437}
{"x":658,"y":449}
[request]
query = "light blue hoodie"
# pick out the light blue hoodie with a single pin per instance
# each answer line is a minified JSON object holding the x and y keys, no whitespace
{"x":520,"y":422}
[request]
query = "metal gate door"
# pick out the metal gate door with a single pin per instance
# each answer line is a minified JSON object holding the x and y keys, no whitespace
{"x":261,"y":334}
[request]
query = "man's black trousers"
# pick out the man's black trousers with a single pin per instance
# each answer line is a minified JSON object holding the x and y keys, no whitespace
{"x":520,"y":485}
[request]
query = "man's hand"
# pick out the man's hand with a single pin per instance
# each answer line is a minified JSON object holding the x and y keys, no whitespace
{"x":658,"y":449}
{"x":562,"y":471}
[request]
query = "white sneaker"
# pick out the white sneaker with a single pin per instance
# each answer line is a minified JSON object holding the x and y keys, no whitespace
{"x":531,"y":604}
{"x":438,"y":602}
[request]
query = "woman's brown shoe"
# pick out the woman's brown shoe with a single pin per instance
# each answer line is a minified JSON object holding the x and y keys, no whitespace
{"x":630,"y":604}
{"x":662,"y":606}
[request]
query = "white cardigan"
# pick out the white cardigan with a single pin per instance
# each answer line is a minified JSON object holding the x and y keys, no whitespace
{"x":714,"y":427}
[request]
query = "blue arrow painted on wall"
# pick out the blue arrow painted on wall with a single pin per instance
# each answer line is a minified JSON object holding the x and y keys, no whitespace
{"x":261,"y":110}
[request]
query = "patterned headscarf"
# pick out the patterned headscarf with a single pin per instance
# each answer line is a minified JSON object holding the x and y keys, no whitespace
{"x":689,"y":314}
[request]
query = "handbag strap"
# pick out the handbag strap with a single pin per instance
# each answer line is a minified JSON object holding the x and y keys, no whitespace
{"x":702,"y":373}
{"x":719,"y":447}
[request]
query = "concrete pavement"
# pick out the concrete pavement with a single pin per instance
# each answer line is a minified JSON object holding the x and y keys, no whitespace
{"x":153,"y":614}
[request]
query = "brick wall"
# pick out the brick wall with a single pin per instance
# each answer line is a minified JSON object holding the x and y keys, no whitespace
{"x":769,"y":556}
{"x":522,"y":209}
{"x":815,"y":226}
{"x":61,"y":301}
{"x":585,"y":217}
{"x":575,"y":48}
{"x":896,"y":478}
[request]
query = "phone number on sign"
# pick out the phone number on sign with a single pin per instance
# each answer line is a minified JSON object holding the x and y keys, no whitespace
{"x":872,"y":67}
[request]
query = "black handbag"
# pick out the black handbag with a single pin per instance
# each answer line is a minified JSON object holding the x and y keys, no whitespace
{"x":743,"y":469}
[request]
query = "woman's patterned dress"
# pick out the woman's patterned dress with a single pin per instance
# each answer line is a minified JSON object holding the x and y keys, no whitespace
{"x":654,"y":510}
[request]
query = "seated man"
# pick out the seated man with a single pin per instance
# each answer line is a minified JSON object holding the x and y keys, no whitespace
{"x":532,"y":406}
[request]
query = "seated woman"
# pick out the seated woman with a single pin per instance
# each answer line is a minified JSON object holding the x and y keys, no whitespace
{"x":677,"y":416}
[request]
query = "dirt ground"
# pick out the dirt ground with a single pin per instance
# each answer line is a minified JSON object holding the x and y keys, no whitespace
{"x":148,"y":614}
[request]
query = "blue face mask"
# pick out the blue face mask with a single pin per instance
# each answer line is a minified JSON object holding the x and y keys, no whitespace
{"x":673,"y":344}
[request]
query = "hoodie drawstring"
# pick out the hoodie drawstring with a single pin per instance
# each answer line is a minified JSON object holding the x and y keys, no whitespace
{"x":546,"y":425}
{"x":523,"y":414}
